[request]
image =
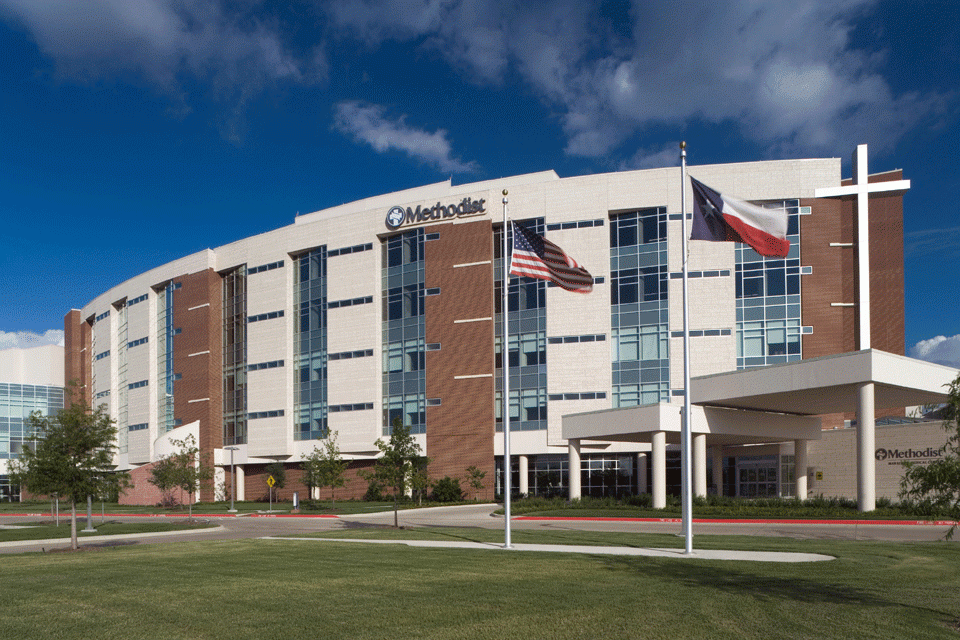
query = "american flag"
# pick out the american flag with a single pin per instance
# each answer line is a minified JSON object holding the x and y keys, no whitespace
{"x":536,"y":257}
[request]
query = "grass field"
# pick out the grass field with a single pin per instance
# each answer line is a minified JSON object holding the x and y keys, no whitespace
{"x":304,"y":589}
{"x":341,"y":507}
{"x":45,"y":530}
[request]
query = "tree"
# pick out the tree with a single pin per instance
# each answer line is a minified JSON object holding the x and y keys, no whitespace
{"x":325,"y":467}
{"x":183,"y":469}
{"x":419,"y":477}
{"x":936,"y":486}
{"x":70,"y":454}
{"x":475,"y":478}
{"x":394,"y":466}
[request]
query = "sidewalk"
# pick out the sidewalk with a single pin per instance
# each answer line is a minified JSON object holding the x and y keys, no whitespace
{"x":702,"y":554}
{"x":85,"y":540}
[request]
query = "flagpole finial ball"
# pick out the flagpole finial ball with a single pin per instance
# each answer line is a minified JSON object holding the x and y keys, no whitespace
{"x":683,"y":144}
{"x":504,"y":192}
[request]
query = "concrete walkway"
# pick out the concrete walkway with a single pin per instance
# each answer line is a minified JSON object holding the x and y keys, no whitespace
{"x":698,"y":554}
{"x":88,"y":541}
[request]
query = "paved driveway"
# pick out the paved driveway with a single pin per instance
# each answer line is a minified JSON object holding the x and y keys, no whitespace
{"x":234,"y":528}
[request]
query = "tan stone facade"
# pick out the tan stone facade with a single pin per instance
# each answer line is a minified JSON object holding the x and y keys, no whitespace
{"x":832,"y":464}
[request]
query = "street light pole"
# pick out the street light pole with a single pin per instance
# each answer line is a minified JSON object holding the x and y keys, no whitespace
{"x":233,"y":478}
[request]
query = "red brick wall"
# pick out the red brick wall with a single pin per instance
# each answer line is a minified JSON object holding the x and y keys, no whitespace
{"x":887,"y":331}
{"x":198,"y":357}
{"x":142,"y":492}
{"x":76,"y":354}
{"x":460,"y":432}
{"x":256,"y":482}
{"x":834,"y":278}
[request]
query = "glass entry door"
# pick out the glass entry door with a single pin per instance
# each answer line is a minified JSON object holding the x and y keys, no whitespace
{"x":758,"y":476}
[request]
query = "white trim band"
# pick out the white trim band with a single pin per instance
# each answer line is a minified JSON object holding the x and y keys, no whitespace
{"x":843,"y":304}
{"x":842,"y":244}
{"x":471,"y":264}
{"x":476,"y":375}
{"x":198,"y":353}
{"x":199,"y":306}
{"x":198,"y":400}
{"x":472,"y":320}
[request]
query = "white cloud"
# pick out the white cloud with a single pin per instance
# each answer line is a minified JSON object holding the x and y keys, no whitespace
{"x":667,"y":155}
{"x":369,"y":124}
{"x":233,"y":49}
{"x":941,"y":350}
{"x":27,"y":339}
{"x":785,"y":71}
{"x":930,"y":242}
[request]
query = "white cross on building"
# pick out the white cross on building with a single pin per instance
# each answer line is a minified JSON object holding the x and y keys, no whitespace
{"x":862,"y":188}
{"x":866,"y":412}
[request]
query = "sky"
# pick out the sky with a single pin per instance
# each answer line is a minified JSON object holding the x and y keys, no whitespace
{"x":135,"y":132}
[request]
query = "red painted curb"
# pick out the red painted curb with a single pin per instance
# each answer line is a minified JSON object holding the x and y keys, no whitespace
{"x":937,"y":523}
{"x":290,"y":515}
{"x":172,"y":515}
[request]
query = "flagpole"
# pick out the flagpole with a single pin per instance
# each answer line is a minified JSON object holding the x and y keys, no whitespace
{"x":685,"y":453}
{"x":505,"y":367}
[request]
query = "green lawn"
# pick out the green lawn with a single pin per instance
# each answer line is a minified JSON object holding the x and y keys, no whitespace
{"x":45,"y":530}
{"x":303,"y":589}
{"x":322,"y":507}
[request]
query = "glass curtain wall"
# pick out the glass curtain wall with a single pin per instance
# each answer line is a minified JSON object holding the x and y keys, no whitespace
{"x":123,"y":391}
{"x":17,"y":402}
{"x":526,"y":344}
{"x":310,"y":289}
{"x":165,"y":374}
{"x":235,"y":356}
{"x":639,"y":307}
{"x":404,"y":379}
{"x":768,"y":299}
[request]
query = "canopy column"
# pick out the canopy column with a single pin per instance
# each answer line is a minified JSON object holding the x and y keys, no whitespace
{"x":573,"y":466}
{"x":866,"y":439}
{"x":658,"y":458}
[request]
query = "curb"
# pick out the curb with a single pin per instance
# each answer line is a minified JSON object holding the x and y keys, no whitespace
{"x":930,"y":523}
{"x":171,"y":515}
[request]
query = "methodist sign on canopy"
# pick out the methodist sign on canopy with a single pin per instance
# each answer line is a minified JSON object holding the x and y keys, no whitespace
{"x":398,"y":216}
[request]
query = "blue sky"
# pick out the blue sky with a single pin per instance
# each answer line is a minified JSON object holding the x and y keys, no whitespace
{"x":135,"y":132}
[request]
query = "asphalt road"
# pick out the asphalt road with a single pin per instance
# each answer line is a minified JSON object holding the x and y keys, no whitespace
{"x":233,"y":528}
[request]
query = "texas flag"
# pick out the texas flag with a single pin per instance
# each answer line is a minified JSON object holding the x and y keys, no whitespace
{"x":723,"y":218}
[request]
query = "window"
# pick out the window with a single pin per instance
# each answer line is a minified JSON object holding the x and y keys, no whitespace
{"x":768,"y":300}
{"x":265,"y":267}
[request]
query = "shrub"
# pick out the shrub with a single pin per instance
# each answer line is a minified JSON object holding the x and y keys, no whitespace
{"x":374,"y":492}
{"x":447,"y":490}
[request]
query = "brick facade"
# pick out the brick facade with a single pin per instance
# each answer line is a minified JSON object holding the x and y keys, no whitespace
{"x":198,"y":356}
{"x":834,"y":278}
{"x":460,"y":374}
{"x":255,"y":487}
{"x":76,"y":354}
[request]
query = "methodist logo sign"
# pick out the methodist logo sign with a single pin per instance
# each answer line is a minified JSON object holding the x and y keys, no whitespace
{"x":398,"y":216}
{"x":898,"y":456}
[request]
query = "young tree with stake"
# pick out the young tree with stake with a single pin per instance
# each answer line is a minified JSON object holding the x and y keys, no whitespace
{"x":70,"y":454}
{"x":394,"y":466}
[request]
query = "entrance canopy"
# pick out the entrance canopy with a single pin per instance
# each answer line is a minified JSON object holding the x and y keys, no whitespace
{"x":774,"y":403}
{"x":827,"y":385}
{"x":777,"y":403}
{"x":724,"y":426}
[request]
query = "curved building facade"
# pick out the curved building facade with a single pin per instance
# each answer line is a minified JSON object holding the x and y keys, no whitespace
{"x":390,"y":307}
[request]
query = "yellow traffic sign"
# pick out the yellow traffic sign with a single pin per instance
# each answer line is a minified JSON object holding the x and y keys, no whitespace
{"x":271,"y":481}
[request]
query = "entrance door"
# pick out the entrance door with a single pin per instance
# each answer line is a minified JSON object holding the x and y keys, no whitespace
{"x":757,"y":476}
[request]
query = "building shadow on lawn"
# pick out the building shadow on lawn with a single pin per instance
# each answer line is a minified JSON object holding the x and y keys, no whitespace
{"x":760,"y":587}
